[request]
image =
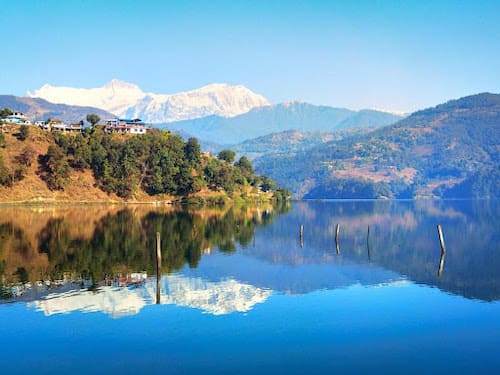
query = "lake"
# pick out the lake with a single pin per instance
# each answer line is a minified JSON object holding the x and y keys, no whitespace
{"x":242,"y":291}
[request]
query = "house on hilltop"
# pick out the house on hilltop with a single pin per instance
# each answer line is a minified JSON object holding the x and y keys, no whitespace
{"x":58,"y":124}
{"x":17,"y":118}
{"x":125,"y":126}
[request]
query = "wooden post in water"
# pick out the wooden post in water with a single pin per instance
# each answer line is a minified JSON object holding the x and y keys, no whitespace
{"x":443,"y":250}
{"x":337,"y":231}
{"x":441,"y":263}
{"x":441,"y":238}
{"x":158,"y":266}
{"x":301,"y":235}
{"x":368,"y":243}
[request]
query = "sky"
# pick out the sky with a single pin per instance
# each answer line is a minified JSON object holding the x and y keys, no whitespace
{"x":394,"y":55}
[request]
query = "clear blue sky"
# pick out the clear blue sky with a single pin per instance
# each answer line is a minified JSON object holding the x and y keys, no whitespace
{"x":387,"y":54}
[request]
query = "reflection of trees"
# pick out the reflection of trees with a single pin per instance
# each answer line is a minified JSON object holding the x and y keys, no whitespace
{"x":18,"y":258}
{"x":124,"y":241}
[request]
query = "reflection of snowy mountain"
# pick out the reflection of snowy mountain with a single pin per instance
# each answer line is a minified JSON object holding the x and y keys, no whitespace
{"x":114,"y":301}
{"x":217,"y":298}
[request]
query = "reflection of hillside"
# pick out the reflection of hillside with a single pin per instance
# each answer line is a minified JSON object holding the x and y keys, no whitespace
{"x":32,"y":219}
{"x":40,"y":243}
{"x":403,"y":238}
{"x":217,"y":298}
{"x":403,"y":244}
{"x":336,"y":272}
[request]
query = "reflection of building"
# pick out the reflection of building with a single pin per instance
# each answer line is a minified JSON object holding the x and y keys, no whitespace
{"x":136,"y":278}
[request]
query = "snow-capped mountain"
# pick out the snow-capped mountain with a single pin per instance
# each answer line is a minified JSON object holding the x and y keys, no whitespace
{"x":128,"y":100}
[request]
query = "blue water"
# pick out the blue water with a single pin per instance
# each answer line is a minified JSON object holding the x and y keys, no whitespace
{"x":274,"y":306}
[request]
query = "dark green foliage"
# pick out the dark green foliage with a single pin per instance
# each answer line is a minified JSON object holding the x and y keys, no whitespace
{"x":2,"y":140}
{"x":4,"y":173}
{"x":192,"y":151}
{"x":9,"y":176}
{"x":24,"y":132}
{"x":93,"y":118}
{"x":227,"y":155}
{"x":82,"y":152}
{"x":5,"y":112}
{"x":55,"y":168}
{"x":219,"y":175}
{"x":245,"y":165}
{"x":282,"y":195}
{"x":266,"y":183}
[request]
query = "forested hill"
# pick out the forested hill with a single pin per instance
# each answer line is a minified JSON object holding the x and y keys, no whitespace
{"x":451,"y":150}
{"x":39,"y":165}
{"x":291,"y":141}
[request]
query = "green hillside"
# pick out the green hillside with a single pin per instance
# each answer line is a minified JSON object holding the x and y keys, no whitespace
{"x":39,"y":165}
{"x":291,"y":141}
{"x":433,"y":152}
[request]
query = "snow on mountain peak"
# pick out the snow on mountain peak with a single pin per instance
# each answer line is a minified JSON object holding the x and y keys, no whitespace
{"x":116,"y":84}
{"x":128,"y":100}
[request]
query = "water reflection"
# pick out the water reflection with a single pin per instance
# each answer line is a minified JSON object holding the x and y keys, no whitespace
{"x":217,"y":298}
{"x":97,"y":259}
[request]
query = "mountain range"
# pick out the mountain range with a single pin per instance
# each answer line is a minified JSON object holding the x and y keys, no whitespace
{"x":298,"y":116}
{"x":40,"y":109}
{"x":450,"y":150}
{"x":288,"y":142}
{"x":216,"y":113}
{"x":128,"y":100}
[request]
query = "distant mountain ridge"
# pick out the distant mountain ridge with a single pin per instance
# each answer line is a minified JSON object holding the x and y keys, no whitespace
{"x":40,"y":109}
{"x":128,"y":100}
{"x":290,"y":142}
{"x":448,"y":151}
{"x":297,"y":116}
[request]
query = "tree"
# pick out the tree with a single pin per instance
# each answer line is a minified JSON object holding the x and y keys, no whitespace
{"x":245,"y":165}
{"x":93,"y":118}
{"x":267,"y":184}
{"x":4,"y":173}
{"x":56,"y":168}
{"x":227,"y":155}
{"x":5,"y":112}
{"x":26,"y":156}
{"x":192,"y":151}
{"x":24,"y":132}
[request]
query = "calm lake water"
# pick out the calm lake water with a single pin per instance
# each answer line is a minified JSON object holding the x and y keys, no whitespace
{"x":241,"y":292}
